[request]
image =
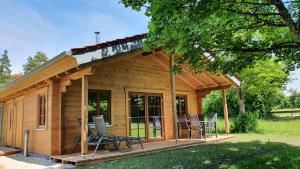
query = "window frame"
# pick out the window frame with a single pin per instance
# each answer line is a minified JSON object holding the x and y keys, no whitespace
{"x":109,"y":99}
{"x":38,"y":117}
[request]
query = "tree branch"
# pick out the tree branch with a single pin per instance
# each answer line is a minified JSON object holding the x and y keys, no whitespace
{"x":252,"y":13}
{"x":284,"y":13}
{"x":275,"y":47}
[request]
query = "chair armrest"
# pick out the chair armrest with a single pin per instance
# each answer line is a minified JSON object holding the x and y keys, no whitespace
{"x":204,"y":122}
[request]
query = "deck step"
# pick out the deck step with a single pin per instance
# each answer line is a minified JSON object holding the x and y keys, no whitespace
{"x":8,"y":151}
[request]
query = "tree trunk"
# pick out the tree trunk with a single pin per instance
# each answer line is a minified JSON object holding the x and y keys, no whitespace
{"x":241,"y":100}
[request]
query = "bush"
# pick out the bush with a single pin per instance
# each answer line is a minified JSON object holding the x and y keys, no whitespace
{"x":246,"y":122}
{"x":213,"y":103}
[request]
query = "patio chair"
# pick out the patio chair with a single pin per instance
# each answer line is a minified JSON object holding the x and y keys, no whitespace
{"x":183,"y":124}
{"x":91,"y":135}
{"x":212,"y":124}
{"x":196,"y":125}
{"x":102,"y":135}
{"x":157,"y":124}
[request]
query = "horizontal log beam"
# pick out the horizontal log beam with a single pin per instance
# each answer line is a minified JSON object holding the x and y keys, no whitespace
{"x":210,"y":88}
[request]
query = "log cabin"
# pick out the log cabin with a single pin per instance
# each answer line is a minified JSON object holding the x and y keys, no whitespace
{"x":116,"y":79}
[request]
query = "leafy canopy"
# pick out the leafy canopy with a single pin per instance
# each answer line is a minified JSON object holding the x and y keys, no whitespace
{"x":34,"y":62}
{"x":231,"y":33}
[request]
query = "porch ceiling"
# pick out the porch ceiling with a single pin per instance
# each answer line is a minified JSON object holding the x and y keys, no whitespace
{"x":203,"y":81}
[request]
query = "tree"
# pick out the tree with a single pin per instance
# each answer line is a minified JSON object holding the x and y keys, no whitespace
{"x":262,"y":83}
{"x":232,"y":34}
{"x":294,"y":98}
{"x":5,"y":71}
{"x":262,"y":86}
{"x":34,"y":62}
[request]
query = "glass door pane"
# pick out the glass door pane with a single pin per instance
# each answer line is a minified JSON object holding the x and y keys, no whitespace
{"x":155,"y":117}
{"x":137,"y":116}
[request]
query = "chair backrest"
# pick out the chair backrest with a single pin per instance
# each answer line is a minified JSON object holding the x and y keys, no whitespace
{"x":100,"y":126}
{"x":183,"y":122}
{"x":201,"y":117}
{"x":157,"y":122}
{"x":214,"y":118}
{"x":195,"y":123}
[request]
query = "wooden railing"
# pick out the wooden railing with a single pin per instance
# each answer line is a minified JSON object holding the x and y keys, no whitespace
{"x":286,"y":111}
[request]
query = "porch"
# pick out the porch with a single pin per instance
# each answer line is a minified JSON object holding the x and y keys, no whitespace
{"x":132,"y":104}
{"x":149,"y":147}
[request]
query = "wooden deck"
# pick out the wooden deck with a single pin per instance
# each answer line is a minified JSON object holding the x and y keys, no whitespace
{"x":151,"y":147}
{"x":7,"y":151}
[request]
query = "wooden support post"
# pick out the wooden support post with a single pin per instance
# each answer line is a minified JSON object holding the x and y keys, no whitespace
{"x":173,"y":97}
{"x":84,"y":115}
{"x":199,"y":103}
{"x":225,"y":111}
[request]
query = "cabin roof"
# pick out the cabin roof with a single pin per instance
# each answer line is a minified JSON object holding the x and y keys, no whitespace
{"x":116,"y":42}
{"x":79,"y":56}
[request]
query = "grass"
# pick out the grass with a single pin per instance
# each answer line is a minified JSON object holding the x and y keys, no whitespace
{"x":273,"y":145}
{"x":284,"y":131}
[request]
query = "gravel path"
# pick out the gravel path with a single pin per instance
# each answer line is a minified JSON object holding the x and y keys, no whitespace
{"x":17,"y":161}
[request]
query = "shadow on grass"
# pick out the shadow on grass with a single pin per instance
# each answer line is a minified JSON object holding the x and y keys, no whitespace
{"x":254,"y":155}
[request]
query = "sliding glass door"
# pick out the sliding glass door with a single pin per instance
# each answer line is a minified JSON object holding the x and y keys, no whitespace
{"x":146,"y":116}
{"x":137,"y":116}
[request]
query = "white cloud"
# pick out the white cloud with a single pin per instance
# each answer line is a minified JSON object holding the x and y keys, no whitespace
{"x":54,"y":27}
{"x":23,"y":32}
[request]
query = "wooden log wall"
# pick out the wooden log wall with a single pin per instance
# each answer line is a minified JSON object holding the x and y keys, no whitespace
{"x":135,"y":74}
{"x":21,"y":113}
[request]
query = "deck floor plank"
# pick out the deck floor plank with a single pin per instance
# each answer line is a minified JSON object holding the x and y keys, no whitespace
{"x":150,"y":147}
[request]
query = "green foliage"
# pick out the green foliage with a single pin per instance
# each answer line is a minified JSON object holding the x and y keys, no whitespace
{"x":262,"y":84}
{"x":232,"y":34}
{"x":5,"y":71}
{"x":245,"y":122}
{"x":213,"y":103}
{"x":34,"y":62}
{"x":294,"y":99}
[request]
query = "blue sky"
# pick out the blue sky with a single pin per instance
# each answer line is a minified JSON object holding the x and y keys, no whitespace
{"x":53,"y":26}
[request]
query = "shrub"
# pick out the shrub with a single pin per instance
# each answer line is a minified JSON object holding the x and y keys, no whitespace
{"x":213,"y":103}
{"x":246,"y":122}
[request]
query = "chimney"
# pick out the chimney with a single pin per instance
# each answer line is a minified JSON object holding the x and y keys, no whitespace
{"x":97,"y":36}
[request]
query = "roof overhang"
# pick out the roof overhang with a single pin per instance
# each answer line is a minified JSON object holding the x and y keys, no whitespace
{"x":56,"y":65}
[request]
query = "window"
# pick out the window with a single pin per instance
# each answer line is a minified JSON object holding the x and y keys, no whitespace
{"x":100,"y":104}
{"x":181,"y":105}
{"x":42,"y":110}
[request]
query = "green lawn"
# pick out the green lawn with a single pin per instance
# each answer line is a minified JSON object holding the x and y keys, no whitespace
{"x":274,"y":145}
{"x":284,"y":131}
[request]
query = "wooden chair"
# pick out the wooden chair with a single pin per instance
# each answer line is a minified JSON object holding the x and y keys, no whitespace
{"x":196,"y":124}
{"x":183,"y":124}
